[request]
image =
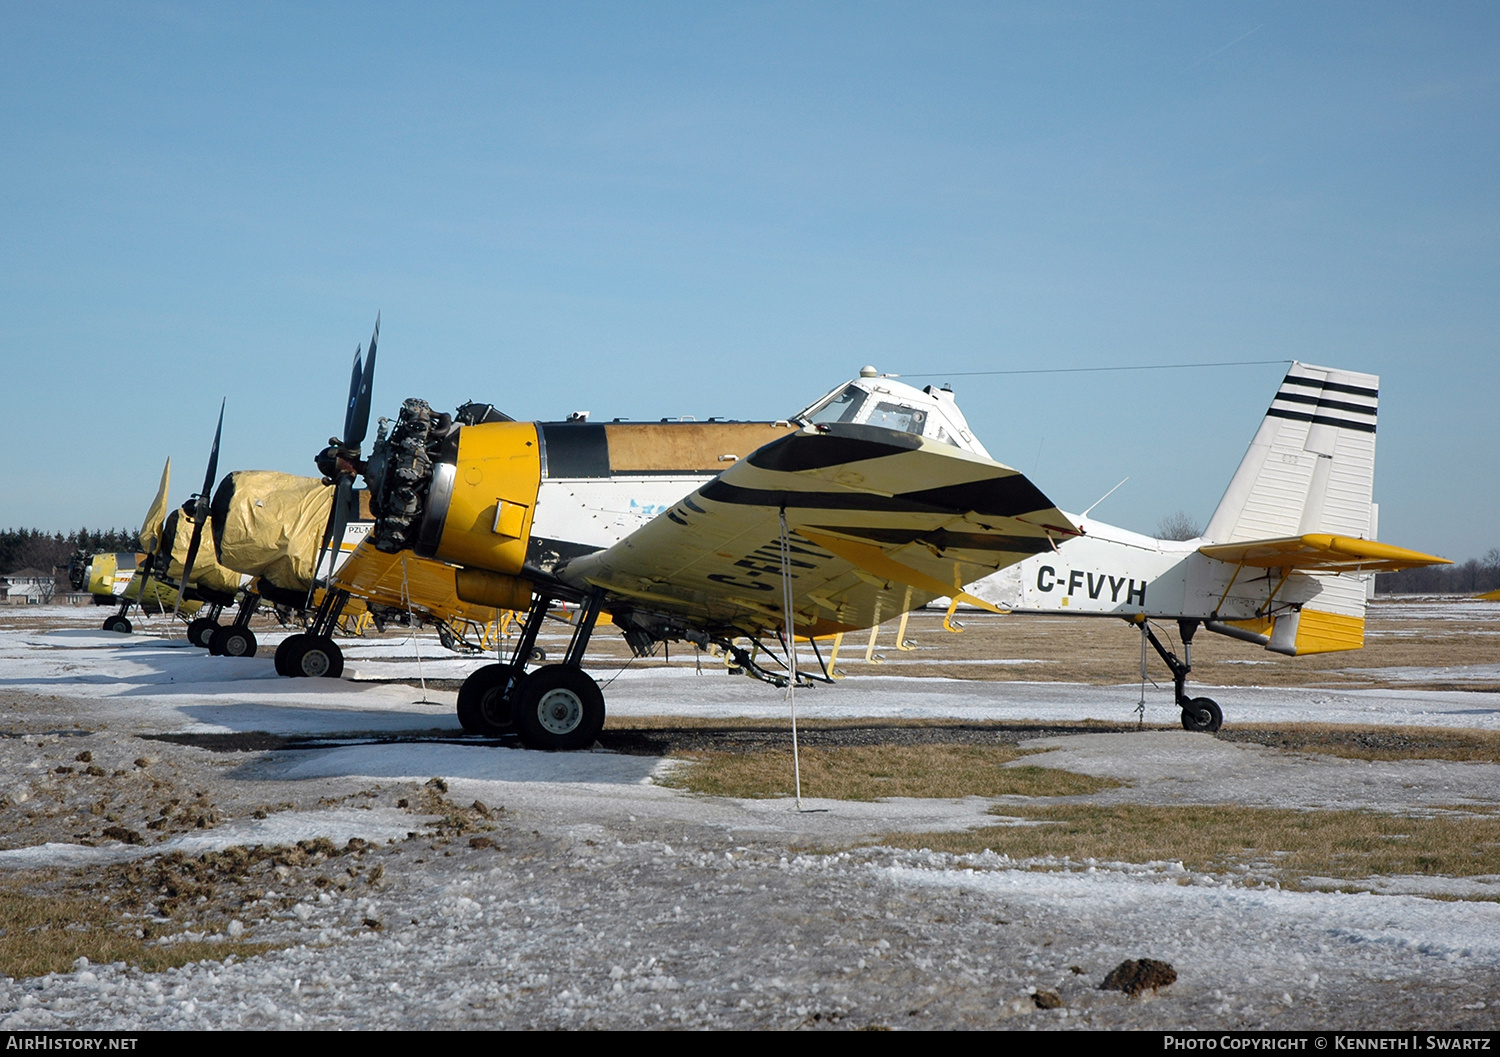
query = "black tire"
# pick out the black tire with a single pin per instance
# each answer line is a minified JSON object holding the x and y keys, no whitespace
{"x":483,"y":707}
{"x":1202,"y":715}
{"x":233,"y":641}
{"x":558,"y":708}
{"x":316,"y":656}
{"x":538,"y":655}
{"x":201,"y":630}
{"x":283,"y":651}
{"x":118,"y":623}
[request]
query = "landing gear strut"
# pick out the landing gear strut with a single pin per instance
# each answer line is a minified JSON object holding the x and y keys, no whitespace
{"x":201,"y":630}
{"x":1200,"y":714}
{"x":313,"y":653}
{"x":554,"y":707}
{"x":235,"y":639}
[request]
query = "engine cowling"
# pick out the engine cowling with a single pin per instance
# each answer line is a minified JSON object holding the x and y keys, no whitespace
{"x":464,"y":494}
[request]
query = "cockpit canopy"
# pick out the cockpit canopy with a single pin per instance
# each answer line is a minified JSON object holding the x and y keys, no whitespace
{"x":879,"y":400}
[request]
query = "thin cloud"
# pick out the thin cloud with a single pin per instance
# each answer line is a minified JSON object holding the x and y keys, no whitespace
{"x":1226,"y":47}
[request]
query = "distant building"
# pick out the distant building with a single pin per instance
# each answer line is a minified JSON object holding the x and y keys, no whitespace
{"x":30,"y":587}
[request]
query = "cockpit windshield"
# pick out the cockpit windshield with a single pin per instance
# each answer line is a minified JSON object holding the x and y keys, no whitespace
{"x":841,"y":408}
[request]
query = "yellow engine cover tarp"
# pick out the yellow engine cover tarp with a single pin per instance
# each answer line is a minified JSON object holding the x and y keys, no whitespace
{"x":274,"y":526}
{"x":206,"y":571}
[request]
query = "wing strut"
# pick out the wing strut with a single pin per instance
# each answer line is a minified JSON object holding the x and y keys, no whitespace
{"x":791,"y":648}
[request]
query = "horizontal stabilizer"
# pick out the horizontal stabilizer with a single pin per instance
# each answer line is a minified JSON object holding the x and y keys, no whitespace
{"x":1320,"y":552}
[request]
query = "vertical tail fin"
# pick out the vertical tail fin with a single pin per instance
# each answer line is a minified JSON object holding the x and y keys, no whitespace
{"x":1310,"y":469}
{"x":1311,"y":466}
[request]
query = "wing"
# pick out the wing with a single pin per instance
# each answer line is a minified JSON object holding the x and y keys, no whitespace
{"x":403,"y":579}
{"x":881,"y":521}
{"x":1319,"y":552}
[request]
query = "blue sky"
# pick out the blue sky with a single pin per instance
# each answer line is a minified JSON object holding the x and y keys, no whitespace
{"x":661,"y":209}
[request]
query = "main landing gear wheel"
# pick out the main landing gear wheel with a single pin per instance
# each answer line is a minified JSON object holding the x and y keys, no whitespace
{"x":232,"y":641}
{"x":117,"y":623}
{"x":201,"y":630}
{"x":315,"y":656}
{"x":1203,"y":715}
{"x":283,"y":651}
{"x":483,"y":707}
{"x":558,"y":707}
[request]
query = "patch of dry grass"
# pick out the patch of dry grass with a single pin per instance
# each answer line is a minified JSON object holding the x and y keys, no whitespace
{"x":877,"y":771}
{"x":1375,"y":743}
{"x":1289,"y":844}
{"x":47,"y":934}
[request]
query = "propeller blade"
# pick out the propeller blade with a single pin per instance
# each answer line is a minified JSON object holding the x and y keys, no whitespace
{"x":359,"y":406}
{"x":213,"y":457}
{"x":354,"y":382}
{"x":192,"y":554}
{"x":333,"y":534}
{"x":159,"y":563}
{"x":200,"y":510}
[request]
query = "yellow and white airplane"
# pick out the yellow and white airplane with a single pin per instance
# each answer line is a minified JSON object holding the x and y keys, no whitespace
{"x":141,"y":588}
{"x":874,"y":500}
{"x":298,"y":541}
{"x":269,"y":526}
{"x":178,"y":572}
{"x":104,"y":574}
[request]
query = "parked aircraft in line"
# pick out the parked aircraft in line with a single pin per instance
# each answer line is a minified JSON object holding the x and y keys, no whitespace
{"x":872,"y":501}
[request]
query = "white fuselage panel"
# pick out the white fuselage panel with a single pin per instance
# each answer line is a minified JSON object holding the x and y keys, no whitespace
{"x":601,"y":511}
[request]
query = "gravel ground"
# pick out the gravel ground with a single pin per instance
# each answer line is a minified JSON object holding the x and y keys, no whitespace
{"x":528,"y":890}
{"x":579,"y":906}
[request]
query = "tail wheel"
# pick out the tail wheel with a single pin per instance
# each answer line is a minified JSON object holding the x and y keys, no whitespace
{"x":233,"y":641}
{"x":200,"y":631}
{"x":283,"y":651}
{"x":483,"y":701}
{"x":316,"y":656}
{"x":1202,"y":715}
{"x":117,"y":623}
{"x":558,"y":708}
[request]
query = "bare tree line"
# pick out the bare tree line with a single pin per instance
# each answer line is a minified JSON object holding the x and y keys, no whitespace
{"x":35,"y":549}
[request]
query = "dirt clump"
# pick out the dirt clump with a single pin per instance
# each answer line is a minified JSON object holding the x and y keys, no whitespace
{"x":1135,"y":976}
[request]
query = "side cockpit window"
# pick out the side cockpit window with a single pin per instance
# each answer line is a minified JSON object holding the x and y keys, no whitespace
{"x":901,"y":417}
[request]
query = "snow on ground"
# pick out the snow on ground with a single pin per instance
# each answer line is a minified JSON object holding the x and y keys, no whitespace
{"x":1459,"y":673}
{"x":171,"y":683}
{"x":1231,"y":924}
{"x":636,"y":905}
